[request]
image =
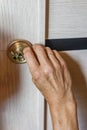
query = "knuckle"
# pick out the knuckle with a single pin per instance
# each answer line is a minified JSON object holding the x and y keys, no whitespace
{"x":36,"y":76}
{"x":55,"y":51}
{"x":48,"y":70}
{"x":63,"y":63}
{"x":27,"y":49}
{"x":48,"y":48}
{"x":37,"y":46}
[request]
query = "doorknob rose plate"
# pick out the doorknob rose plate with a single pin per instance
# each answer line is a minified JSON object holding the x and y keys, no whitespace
{"x":15,"y":51}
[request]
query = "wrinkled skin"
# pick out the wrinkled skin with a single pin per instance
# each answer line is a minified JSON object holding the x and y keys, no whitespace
{"x":49,"y":72}
{"x":51,"y":76}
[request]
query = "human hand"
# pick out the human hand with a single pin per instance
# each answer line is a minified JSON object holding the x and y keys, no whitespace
{"x":49,"y":73}
{"x":52,"y":78}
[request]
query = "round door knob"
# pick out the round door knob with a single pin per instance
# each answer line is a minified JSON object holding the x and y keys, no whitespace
{"x":15,"y":51}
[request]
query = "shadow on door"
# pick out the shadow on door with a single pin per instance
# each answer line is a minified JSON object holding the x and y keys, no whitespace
{"x":79,"y":88}
{"x":9,"y":79}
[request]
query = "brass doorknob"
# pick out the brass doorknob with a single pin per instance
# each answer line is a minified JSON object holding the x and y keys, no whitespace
{"x":15,"y":50}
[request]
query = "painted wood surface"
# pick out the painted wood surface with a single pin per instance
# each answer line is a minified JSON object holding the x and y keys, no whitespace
{"x":21,"y":19}
{"x":68,"y":19}
{"x":21,"y":104}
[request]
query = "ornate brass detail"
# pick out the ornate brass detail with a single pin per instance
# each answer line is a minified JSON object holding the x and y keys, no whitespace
{"x":15,"y":50}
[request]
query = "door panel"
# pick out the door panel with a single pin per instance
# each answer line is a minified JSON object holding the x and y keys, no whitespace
{"x":67,"y":18}
{"x":21,"y":104}
{"x":21,"y":19}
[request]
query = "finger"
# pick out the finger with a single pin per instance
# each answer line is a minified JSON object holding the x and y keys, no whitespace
{"x":61,"y":60}
{"x":66,"y":72}
{"x":52,"y":57}
{"x":31,"y":59}
{"x":41,"y":54}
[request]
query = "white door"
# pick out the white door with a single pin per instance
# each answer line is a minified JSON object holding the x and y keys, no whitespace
{"x":21,"y":105}
{"x":68,"y":19}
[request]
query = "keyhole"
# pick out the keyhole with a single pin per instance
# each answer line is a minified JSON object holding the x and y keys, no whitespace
{"x":20,"y":56}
